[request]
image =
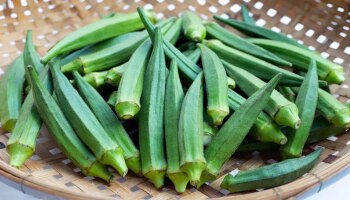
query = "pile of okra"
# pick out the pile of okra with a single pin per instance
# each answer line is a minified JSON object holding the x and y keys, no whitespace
{"x":194,"y":91}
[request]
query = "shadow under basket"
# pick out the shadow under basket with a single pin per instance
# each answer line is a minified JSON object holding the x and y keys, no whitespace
{"x":321,"y":24}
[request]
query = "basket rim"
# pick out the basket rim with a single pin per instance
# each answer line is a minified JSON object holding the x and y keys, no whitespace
{"x":285,"y":191}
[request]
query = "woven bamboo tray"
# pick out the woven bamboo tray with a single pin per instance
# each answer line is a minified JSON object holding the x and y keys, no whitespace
{"x":321,"y":24}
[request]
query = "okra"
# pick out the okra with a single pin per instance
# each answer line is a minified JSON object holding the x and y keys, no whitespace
{"x":306,"y":102}
{"x":234,"y":130}
{"x":287,"y":92}
{"x":109,"y":122}
{"x":96,"y":79}
{"x":264,"y":129}
{"x":11,"y":87}
{"x":216,"y":85}
{"x":235,"y":41}
{"x":257,"y":31}
{"x":21,"y":144}
{"x":231,"y":83}
{"x":300,"y":58}
{"x":209,"y":130}
{"x":107,"y":57}
{"x":63,"y":133}
{"x":86,"y":124}
{"x":173,"y":34}
{"x":333,"y":110}
{"x":193,"y":55}
{"x":131,"y":84}
{"x":259,"y":68}
{"x":279,"y":108}
{"x":193,"y":27}
{"x":114,"y":75}
{"x":112,"y":99}
{"x":96,"y":32}
{"x":271,"y":175}
{"x":30,"y":56}
{"x":246,"y":16}
{"x":191,"y":132}
{"x":151,"y":135}
{"x":174,"y":95}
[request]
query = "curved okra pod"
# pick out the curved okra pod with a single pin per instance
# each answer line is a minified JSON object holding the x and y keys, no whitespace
{"x":279,"y":108}
{"x":306,"y":102}
{"x":86,"y":125}
{"x":96,"y":32}
{"x":174,"y":95}
{"x":63,"y":133}
{"x":271,"y":175}
{"x":232,"y":133}
{"x":151,"y":133}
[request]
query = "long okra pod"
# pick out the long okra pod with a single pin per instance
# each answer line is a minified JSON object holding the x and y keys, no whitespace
{"x":96,"y":32}
{"x":279,"y":108}
{"x":216,"y":85}
{"x":86,"y":125}
{"x":326,"y":70}
{"x":30,"y":56}
{"x":63,"y":133}
{"x":151,"y":116}
{"x":11,"y":90}
{"x":174,"y":95}
{"x":306,"y":102}
{"x":232,"y":133}
{"x":193,"y":27}
{"x":271,"y":175}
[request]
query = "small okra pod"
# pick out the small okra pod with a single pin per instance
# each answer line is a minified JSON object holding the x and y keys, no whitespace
{"x":62,"y":131}
{"x":109,"y":122}
{"x":11,"y":92}
{"x":216,"y":85}
{"x":271,"y":175}
{"x":306,"y":102}
{"x":151,"y":126}
{"x":86,"y":125}
{"x":279,"y":108}
{"x":174,"y":95}
{"x":96,"y":32}
{"x":191,"y":132}
{"x":193,"y":27}
{"x":232,"y":133}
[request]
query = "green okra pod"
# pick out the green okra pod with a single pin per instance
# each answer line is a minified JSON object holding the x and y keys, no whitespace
{"x":235,"y":41}
{"x":86,"y":125}
{"x":112,"y":99}
{"x":271,"y":175}
{"x":115,"y":74}
{"x":30,"y":56}
{"x":216,"y":85}
{"x":96,"y":32}
{"x":246,"y":16}
{"x":326,"y":70}
{"x":62,"y":132}
{"x":279,"y":108}
{"x":109,"y":122}
{"x":306,"y":102}
{"x":96,"y":79}
{"x":151,"y":133}
{"x":287,"y":92}
{"x":174,"y":95}
{"x":11,"y":91}
{"x":193,"y":27}
{"x":232,"y":133}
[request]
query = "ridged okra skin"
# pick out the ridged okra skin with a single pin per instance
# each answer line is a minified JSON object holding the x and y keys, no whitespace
{"x":63,"y":133}
{"x":109,"y":122}
{"x":86,"y":125}
{"x":151,"y":128}
{"x":193,"y":27}
{"x":30,"y":56}
{"x":174,"y":95}
{"x":96,"y":32}
{"x":11,"y":91}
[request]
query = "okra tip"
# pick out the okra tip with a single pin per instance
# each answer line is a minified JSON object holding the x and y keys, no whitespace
{"x":19,"y":153}
{"x":156,"y":177}
{"x":134,"y":164}
{"x":75,"y":65}
{"x":288,"y":116}
{"x":335,"y":76}
{"x":180,"y":181}
{"x":194,"y":171}
{"x":127,"y":110}
{"x":115,"y":159}
{"x":271,"y":133}
{"x":99,"y":170}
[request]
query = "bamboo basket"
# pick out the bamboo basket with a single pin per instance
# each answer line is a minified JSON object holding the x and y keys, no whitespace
{"x":321,"y":24}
